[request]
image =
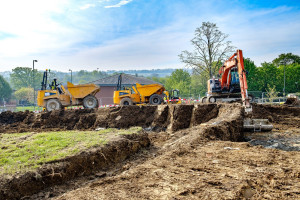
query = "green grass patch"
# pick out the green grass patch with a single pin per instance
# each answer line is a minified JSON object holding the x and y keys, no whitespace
{"x":21,"y":152}
{"x":30,"y":108}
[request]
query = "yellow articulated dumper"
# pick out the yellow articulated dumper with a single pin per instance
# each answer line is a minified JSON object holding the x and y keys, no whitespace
{"x":57,"y":97}
{"x":141,"y":94}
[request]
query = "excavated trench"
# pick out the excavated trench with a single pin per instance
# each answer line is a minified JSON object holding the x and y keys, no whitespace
{"x":205,"y":121}
{"x":163,"y":117}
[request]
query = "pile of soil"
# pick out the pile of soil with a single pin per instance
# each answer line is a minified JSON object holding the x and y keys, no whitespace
{"x":163,"y":117}
{"x":293,"y":102}
{"x":197,"y":157}
{"x":225,"y":126}
{"x":188,"y":166}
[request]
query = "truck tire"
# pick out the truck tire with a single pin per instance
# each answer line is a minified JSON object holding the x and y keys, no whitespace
{"x":203,"y":99}
{"x":53,"y":104}
{"x":155,"y":99}
{"x":126,"y":102}
{"x":90,"y":102}
{"x":211,"y":99}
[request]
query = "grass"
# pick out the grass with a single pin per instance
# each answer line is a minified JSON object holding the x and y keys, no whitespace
{"x":21,"y":152}
{"x":37,"y":108}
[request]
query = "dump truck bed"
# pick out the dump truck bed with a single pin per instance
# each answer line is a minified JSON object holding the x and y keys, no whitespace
{"x":148,"y":90}
{"x":82,"y":90}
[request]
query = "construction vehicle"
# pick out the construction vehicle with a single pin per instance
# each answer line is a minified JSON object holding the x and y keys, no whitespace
{"x":233,"y":84}
{"x":139,"y":94}
{"x":57,"y":96}
{"x":172,"y":96}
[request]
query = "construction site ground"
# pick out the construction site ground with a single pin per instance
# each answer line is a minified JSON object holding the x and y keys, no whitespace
{"x":184,"y":152}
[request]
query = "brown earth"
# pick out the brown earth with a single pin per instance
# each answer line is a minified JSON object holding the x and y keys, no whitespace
{"x":186,"y":165}
{"x":194,"y":158}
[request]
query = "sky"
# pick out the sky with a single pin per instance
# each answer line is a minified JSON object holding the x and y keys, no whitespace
{"x":138,"y":34}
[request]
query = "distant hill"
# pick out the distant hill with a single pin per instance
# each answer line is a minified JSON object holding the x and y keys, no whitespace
{"x":146,"y":73}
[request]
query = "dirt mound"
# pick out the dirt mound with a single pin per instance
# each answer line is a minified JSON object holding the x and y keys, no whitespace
{"x":276,"y":114}
{"x":83,"y":164}
{"x":189,"y":165}
{"x":164,"y":117}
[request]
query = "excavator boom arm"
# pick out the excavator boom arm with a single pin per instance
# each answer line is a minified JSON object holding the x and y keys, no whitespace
{"x":236,"y":60}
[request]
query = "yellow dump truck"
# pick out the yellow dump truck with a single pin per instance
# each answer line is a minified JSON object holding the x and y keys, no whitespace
{"x":138,"y":94}
{"x":58,"y":97}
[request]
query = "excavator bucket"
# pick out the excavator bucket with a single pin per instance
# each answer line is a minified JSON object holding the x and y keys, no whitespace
{"x":257,"y":125}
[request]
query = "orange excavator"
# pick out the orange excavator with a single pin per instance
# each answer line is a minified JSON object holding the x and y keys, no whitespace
{"x":233,"y":83}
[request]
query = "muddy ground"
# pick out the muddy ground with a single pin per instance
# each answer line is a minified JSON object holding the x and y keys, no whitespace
{"x":193,"y":152}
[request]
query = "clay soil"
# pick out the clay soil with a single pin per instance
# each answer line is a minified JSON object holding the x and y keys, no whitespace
{"x":190,"y":152}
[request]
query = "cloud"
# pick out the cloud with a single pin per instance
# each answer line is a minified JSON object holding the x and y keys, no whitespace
{"x":86,"y":6}
{"x":121,"y":3}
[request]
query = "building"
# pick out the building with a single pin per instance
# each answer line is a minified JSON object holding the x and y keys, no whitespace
{"x":109,"y":84}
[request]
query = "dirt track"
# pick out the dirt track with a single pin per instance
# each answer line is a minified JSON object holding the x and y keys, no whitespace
{"x":186,"y":161}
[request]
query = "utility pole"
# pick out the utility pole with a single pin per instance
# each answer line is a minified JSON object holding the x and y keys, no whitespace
{"x":284,"y":80}
{"x":33,"y":83}
{"x":71,"y":75}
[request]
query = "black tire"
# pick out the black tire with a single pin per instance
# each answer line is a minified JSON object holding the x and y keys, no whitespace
{"x":90,"y":102}
{"x":126,"y":102}
{"x":155,"y":99}
{"x":53,"y":104}
{"x":203,"y":99}
{"x":211,"y":99}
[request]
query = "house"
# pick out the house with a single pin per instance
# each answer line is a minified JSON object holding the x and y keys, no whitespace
{"x":109,"y":84}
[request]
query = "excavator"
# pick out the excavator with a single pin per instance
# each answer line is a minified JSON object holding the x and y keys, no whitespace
{"x":233,"y":84}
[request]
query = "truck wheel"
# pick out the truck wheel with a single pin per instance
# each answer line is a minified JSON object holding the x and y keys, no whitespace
{"x":53,"y":104}
{"x":155,"y":99}
{"x":203,"y":99}
{"x":90,"y":102}
{"x":211,"y":99}
{"x":126,"y":102}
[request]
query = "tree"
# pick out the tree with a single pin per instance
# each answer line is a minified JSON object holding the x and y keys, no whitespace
{"x":286,"y":59}
{"x":252,"y":76}
{"x":179,"y":79}
{"x":25,"y":94}
{"x":23,"y":77}
{"x":210,"y":49}
{"x":271,"y":93}
{"x":5,"y":89}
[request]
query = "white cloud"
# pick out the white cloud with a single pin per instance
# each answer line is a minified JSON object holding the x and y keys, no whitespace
{"x":86,"y":6}
{"x":121,"y":3}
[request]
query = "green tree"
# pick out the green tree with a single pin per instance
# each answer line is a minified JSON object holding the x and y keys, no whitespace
{"x":179,"y":79}
{"x":253,"y":75}
{"x":210,"y":49}
{"x":286,"y":59}
{"x":23,"y":77}
{"x":292,"y":78}
{"x":271,"y":93}
{"x":25,"y":94}
{"x":5,"y":89}
{"x":268,"y":74}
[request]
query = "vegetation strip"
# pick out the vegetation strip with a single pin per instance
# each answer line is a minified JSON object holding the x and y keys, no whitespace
{"x":22,"y":152}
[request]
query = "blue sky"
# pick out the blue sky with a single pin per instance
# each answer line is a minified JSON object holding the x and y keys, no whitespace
{"x":138,"y":34}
